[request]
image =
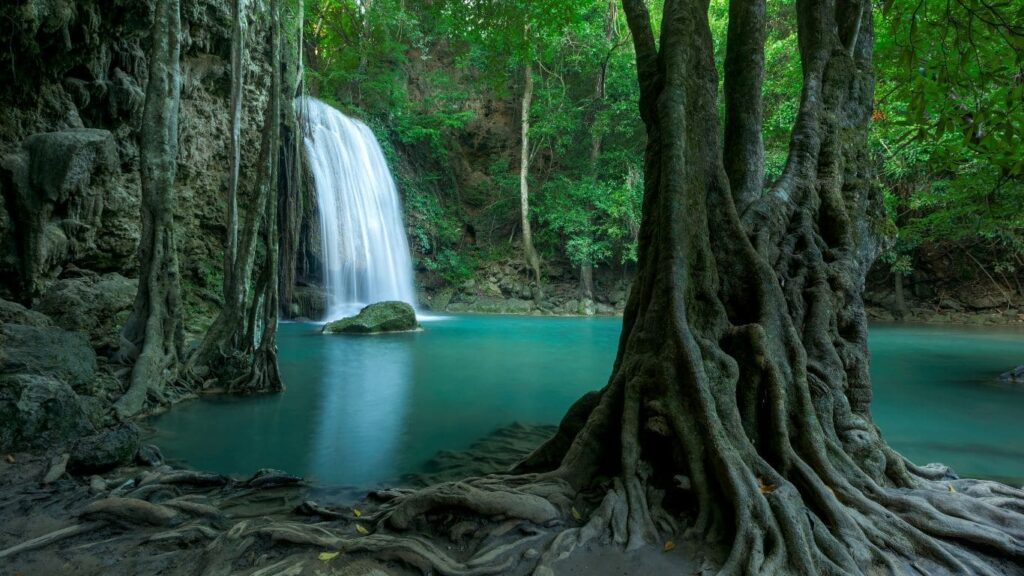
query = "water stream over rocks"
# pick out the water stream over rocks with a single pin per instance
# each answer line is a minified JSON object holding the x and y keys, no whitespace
{"x":365,"y":251}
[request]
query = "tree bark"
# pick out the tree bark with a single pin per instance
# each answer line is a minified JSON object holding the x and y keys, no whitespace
{"x":737,"y":410}
{"x":153,"y":336}
{"x":264,"y":375}
{"x":739,"y":399}
{"x":743,"y":153}
{"x":901,"y":304}
{"x":529,"y":252}
{"x":237,"y":84}
{"x":291,"y":199}
{"x":228,"y":352}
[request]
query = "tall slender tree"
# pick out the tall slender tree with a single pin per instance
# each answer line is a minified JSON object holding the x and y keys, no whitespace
{"x":238,"y":29}
{"x":153,"y":336}
{"x":529,"y":251}
{"x":229,"y":351}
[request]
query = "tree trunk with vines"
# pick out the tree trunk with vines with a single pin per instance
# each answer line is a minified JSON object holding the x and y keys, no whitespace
{"x":229,"y":353}
{"x":153,"y":337}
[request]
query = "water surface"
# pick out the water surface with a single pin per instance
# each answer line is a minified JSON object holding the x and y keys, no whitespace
{"x":360,"y":410}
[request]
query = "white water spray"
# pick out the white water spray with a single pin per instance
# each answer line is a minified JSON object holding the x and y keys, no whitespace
{"x":365,"y":252}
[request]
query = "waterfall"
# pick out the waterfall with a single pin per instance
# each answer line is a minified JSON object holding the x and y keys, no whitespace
{"x":365,"y":252}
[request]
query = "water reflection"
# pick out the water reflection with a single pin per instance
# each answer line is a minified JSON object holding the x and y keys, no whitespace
{"x":364,"y":402}
{"x":359,"y":411}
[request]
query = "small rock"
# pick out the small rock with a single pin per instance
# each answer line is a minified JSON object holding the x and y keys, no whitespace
{"x":58,"y":465}
{"x":149,"y":455}
{"x":271,"y":478}
{"x":950,"y":304}
{"x":1015,"y":376}
{"x":106,"y":450}
{"x":97,"y":484}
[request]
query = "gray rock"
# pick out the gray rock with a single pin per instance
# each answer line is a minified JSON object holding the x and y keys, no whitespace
{"x":63,"y":163}
{"x":586,"y":307}
{"x":149,"y":455}
{"x":517,"y":306}
{"x":388,"y":316}
{"x":950,"y":304}
{"x":441,"y":300}
{"x":14,"y":313}
{"x":1015,"y":376}
{"x":47,"y":351}
{"x":97,"y":306}
{"x":309,"y":301}
{"x":58,"y":465}
{"x":106,"y":450}
{"x":55,"y":189}
{"x":38,"y":412}
{"x":984,"y":301}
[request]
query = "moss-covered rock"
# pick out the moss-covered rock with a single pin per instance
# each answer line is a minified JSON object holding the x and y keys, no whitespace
{"x":39,"y":411}
{"x":96,"y":305}
{"x":47,"y":351}
{"x":388,"y":316}
{"x":106,"y":450}
{"x":14,"y":313}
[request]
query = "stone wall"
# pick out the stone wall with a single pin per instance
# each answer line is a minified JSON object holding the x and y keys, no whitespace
{"x":72,"y":88}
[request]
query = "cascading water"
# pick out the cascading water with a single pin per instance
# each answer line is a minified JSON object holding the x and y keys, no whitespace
{"x":365,"y":252}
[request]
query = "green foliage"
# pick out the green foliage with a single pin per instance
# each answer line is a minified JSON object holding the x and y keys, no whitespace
{"x":949,"y":127}
{"x":597,"y":221}
{"x":948,"y":131}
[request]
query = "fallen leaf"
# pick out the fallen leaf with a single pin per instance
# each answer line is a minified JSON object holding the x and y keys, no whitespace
{"x":356,"y":512}
{"x":361,"y":530}
{"x":670,"y":546}
{"x":765,"y":488}
{"x":576,"y":514}
{"x":326,"y":556}
{"x":951,"y":489}
{"x":9,"y":458}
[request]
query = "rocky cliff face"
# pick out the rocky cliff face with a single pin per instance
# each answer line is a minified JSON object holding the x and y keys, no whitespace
{"x":72,"y":87}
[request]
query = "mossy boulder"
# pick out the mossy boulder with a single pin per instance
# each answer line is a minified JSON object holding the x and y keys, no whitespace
{"x":47,"y":351}
{"x":389,"y":316}
{"x":95,"y":305}
{"x":38,"y":412}
{"x":106,"y":450}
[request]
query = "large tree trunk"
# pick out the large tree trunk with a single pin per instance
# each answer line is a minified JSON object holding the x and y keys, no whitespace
{"x":739,"y":398}
{"x":529,"y":252}
{"x":153,"y":337}
{"x":737,"y":409}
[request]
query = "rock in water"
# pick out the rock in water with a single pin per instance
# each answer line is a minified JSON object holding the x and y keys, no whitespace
{"x":106,"y":450}
{"x":1015,"y":376}
{"x":39,"y":411}
{"x":388,"y":316}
